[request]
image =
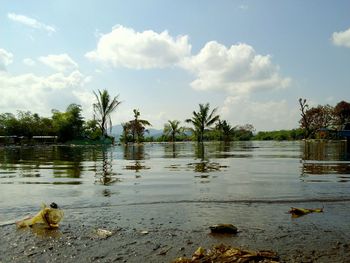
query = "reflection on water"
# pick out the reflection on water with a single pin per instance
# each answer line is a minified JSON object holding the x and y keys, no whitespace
{"x":136,"y":154}
{"x":328,"y":160}
{"x":104,"y":168}
{"x":171,"y":172}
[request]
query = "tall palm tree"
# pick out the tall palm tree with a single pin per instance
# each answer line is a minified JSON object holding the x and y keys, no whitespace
{"x":103,"y":108}
{"x":203,"y":119}
{"x":172,"y":128}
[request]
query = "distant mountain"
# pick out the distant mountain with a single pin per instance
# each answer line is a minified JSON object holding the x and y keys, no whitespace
{"x":117,"y":130}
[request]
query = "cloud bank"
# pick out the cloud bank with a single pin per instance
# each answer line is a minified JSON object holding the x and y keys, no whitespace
{"x":124,"y":47}
{"x":237,"y":69}
{"x":42,"y":93}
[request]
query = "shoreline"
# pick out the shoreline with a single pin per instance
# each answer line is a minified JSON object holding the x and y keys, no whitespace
{"x":163,"y":232}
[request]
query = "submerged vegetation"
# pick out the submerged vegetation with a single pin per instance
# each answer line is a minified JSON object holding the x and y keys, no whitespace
{"x":321,"y":121}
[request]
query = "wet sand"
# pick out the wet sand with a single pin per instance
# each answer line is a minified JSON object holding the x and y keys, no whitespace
{"x":161,"y":232}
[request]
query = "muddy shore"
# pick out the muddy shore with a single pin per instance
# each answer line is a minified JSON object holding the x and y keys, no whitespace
{"x":162,"y":232}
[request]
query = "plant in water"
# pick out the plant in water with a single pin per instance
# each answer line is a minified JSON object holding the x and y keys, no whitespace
{"x":203,"y":119}
{"x":103,"y":109}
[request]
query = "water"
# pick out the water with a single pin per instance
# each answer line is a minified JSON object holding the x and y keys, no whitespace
{"x":237,"y":172}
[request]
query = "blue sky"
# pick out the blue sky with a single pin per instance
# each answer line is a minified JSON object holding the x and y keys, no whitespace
{"x":250,"y":59}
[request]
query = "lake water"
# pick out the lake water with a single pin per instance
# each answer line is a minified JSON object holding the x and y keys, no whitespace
{"x":237,"y":172}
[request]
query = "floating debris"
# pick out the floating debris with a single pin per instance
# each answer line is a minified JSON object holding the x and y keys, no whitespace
{"x":224,"y":229}
{"x":225,"y":254}
{"x":49,"y":216}
{"x":297,"y":212}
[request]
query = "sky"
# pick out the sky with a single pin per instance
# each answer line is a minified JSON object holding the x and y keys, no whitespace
{"x":252,"y":60}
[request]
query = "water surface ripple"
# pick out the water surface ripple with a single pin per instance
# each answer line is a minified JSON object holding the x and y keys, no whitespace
{"x":165,"y":173}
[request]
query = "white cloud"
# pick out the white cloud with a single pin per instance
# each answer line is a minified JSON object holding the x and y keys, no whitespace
{"x":124,"y":47}
{"x":6,"y":58}
{"x":29,"y":62}
{"x":237,"y":69}
{"x":278,"y":114}
{"x":40,"y":94}
{"x":31,"y":22}
{"x":61,"y":62}
{"x":341,"y":38}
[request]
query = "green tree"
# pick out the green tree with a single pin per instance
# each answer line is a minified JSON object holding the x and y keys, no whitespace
{"x":103,"y":108}
{"x":68,"y":125}
{"x":342,"y":113}
{"x":315,"y":118}
{"x":126,"y":137}
{"x":134,"y":130}
{"x":203,"y":119}
{"x":137,"y":127}
{"x":9,"y":125}
{"x":226,"y":131}
{"x":172,"y":128}
{"x":92,"y":130}
{"x":244,"y":133}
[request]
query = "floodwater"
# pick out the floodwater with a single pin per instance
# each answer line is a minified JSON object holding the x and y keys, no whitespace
{"x":165,"y":173}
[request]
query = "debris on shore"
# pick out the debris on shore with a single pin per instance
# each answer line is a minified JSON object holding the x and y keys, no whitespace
{"x":224,"y":229}
{"x":225,"y":254}
{"x":297,"y":212}
{"x":49,"y":216}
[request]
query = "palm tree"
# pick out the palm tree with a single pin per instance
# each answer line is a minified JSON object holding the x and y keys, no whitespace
{"x":225,"y":129}
{"x":203,"y":119}
{"x":137,"y":126}
{"x":172,"y":128}
{"x":103,"y":109}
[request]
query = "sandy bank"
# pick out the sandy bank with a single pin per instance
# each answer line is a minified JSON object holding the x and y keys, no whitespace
{"x":177,"y":229}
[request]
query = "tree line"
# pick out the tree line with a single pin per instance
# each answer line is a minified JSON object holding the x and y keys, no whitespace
{"x":323,"y":119}
{"x":205,"y":124}
{"x":71,"y":125}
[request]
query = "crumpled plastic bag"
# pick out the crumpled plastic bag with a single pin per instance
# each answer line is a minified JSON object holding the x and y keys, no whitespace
{"x":50,"y":216}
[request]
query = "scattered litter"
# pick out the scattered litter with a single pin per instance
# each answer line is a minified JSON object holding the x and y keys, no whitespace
{"x":297,"y":212}
{"x":224,"y":254}
{"x":103,"y":233}
{"x":164,"y":251}
{"x":224,"y":229}
{"x":144,"y":232}
{"x":49,"y":216}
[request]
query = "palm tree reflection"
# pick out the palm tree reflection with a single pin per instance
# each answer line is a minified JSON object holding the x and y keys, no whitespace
{"x":104,"y":169}
{"x":204,"y":166}
{"x":136,"y":154}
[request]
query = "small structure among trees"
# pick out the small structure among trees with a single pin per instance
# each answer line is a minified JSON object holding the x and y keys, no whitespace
{"x":323,"y":120}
